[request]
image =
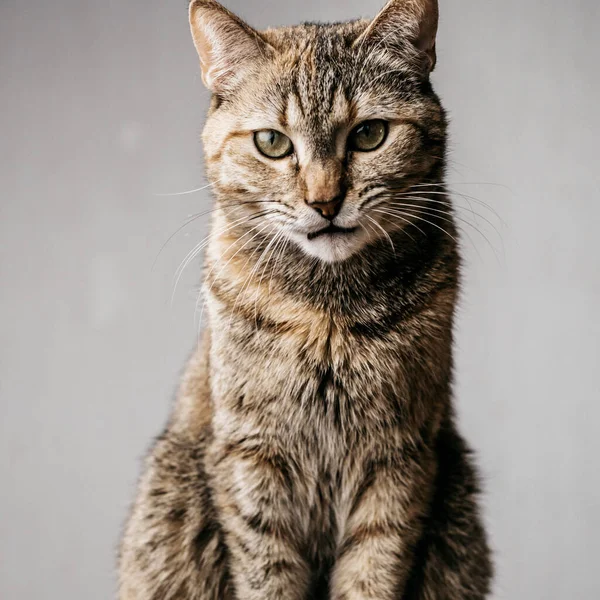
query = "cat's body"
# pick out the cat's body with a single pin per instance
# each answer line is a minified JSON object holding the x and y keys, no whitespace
{"x":312,"y":451}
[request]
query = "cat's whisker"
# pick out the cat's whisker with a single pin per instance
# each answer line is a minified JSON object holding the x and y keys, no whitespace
{"x":244,"y":284}
{"x":405,"y":214}
{"x":218,"y":275}
{"x":206,"y":278}
{"x":246,"y":281}
{"x":445,"y":216}
{"x":189,"y":221}
{"x":407,"y":221}
{"x":425,"y":197}
{"x":453,"y":192}
{"x":387,"y":235}
{"x":490,"y":183}
{"x":449,"y":212}
{"x":390,"y":221}
{"x":185,"y":224}
{"x":187,"y":192}
{"x":265,"y":252}
{"x":370,"y":230}
{"x":412,"y":209}
{"x":452,"y":208}
{"x":204,"y":241}
{"x":445,"y":192}
{"x":276,"y":241}
{"x":215,"y":208}
{"x":199,"y":247}
{"x":449,"y":193}
{"x":278,"y":260}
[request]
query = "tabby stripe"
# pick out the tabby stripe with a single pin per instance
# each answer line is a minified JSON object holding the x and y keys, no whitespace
{"x":365,"y":532}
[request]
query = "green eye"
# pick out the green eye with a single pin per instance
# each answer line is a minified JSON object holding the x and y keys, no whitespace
{"x":272,"y":143}
{"x":368,"y":135}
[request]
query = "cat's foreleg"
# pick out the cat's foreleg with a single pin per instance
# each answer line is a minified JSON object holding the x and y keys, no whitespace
{"x":173,"y":545}
{"x":256,"y":495}
{"x":384,"y":522}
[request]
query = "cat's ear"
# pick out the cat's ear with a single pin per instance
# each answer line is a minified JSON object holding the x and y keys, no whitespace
{"x":415,"y":21}
{"x":228,"y":48}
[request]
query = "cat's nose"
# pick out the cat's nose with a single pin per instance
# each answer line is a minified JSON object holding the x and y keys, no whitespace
{"x":324,"y":190}
{"x":328,"y":209}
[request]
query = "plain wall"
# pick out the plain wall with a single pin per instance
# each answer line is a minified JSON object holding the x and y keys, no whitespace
{"x":101,"y":106}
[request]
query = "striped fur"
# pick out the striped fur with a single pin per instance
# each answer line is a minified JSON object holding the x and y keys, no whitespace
{"x":312,"y":452}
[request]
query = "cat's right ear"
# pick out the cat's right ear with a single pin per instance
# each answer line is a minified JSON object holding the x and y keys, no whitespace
{"x":228,"y":48}
{"x":399,"y":21}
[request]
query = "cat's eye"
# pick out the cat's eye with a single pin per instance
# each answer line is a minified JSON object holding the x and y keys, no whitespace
{"x":368,"y":136}
{"x":273,"y":144}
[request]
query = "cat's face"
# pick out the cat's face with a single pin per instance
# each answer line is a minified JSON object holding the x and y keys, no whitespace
{"x":314,"y":128}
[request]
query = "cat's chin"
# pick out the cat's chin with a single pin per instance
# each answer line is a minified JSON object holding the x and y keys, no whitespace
{"x":331,"y":247}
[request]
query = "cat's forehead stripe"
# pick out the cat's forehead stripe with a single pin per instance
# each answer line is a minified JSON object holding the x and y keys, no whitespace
{"x":316,"y":102}
{"x":327,"y":84}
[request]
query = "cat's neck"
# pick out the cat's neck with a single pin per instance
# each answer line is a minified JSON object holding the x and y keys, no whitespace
{"x":373,"y":285}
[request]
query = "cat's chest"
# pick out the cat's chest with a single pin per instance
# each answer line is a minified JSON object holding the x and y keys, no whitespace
{"x":324,"y":388}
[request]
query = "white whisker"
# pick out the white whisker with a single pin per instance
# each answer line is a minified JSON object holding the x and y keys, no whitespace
{"x":265,"y":252}
{"x":387,"y":235}
{"x":199,"y":247}
{"x":189,"y":191}
{"x":425,"y":221}
{"x":449,"y":211}
{"x":407,"y":221}
{"x":434,"y":213}
{"x":206,"y":279}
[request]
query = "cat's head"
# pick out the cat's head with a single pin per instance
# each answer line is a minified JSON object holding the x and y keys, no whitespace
{"x":315,"y":130}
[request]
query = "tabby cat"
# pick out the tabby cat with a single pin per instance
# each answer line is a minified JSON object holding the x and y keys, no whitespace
{"x":312,"y":452}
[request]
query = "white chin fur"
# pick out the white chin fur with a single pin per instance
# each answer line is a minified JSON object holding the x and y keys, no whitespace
{"x":331,"y":248}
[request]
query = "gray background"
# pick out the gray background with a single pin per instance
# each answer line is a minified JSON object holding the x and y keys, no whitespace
{"x":101,"y":107}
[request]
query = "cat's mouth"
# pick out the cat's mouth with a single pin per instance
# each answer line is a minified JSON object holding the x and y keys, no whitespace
{"x":331,"y":230}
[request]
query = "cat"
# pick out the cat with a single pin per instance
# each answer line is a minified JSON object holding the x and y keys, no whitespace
{"x":313,"y":452}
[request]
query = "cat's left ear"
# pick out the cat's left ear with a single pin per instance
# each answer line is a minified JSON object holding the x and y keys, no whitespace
{"x":401,"y":21}
{"x":228,"y":48}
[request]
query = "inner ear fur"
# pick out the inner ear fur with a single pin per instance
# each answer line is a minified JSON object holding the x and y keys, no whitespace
{"x":228,"y":48}
{"x":402,"y":21}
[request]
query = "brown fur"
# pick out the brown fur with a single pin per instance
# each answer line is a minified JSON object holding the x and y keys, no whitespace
{"x":312,"y":452}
